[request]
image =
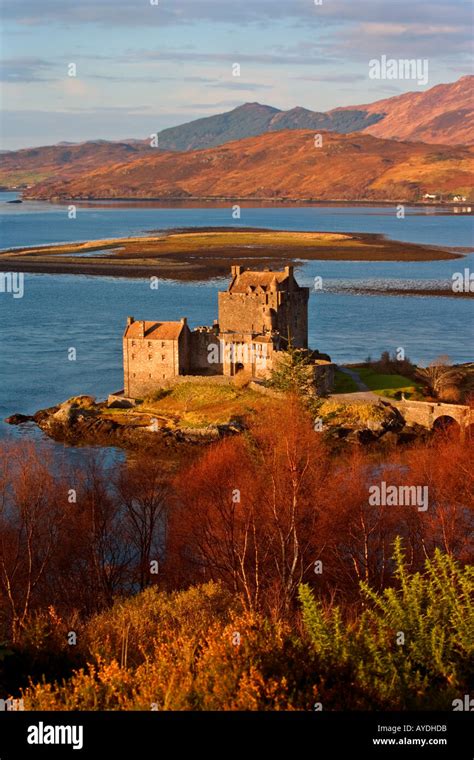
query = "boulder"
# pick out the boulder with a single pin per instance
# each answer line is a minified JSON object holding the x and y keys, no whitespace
{"x":18,"y":419}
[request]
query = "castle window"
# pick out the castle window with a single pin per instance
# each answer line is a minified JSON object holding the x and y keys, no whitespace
{"x":162,"y":357}
{"x":150,"y":356}
{"x":133,"y":357}
{"x":162,"y":344}
{"x":133,"y":342}
{"x":149,"y":344}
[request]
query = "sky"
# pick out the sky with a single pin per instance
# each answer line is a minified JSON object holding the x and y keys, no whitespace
{"x":143,"y":65}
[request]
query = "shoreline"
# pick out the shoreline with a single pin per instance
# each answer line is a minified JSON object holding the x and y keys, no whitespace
{"x":447,"y":208}
{"x":226,"y":199}
{"x":203,"y":253}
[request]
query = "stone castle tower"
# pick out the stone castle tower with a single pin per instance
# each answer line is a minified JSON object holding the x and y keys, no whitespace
{"x":258,"y":314}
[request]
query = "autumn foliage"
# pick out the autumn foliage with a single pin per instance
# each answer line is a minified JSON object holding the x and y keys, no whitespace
{"x":255,"y":577}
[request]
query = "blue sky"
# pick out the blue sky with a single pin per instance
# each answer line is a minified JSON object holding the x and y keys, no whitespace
{"x":142,"y":67}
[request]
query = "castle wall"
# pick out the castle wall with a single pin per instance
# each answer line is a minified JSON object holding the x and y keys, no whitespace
{"x":283,"y":310}
{"x":240,"y":353}
{"x":147,"y":363}
{"x":292,"y":317}
{"x":242,"y":312}
{"x":202,"y":359}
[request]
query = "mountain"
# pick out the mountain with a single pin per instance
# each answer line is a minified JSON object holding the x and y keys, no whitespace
{"x":280,"y":165}
{"x":31,"y":165}
{"x":253,"y":119}
{"x":442,"y":114}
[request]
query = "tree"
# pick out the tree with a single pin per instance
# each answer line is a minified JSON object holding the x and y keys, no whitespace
{"x":247,"y":509}
{"x":143,"y":493}
{"x":439,"y":375}
{"x":31,"y":518}
{"x":294,"y":373}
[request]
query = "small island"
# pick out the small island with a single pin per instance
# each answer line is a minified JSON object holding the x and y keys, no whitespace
{"x":198,"y":254}
{"x":183,"y":386}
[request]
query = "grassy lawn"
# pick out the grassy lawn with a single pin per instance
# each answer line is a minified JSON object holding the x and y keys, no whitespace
{"x":192,"y":405}
{"x":343,"y":383}
{"x":387,"y":385}
{"x":348,"y":413}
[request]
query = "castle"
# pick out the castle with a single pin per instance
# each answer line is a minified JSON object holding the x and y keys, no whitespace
{"x":258,"y":315}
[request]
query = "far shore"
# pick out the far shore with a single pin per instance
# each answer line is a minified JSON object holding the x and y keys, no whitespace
{"x":196,"y":254}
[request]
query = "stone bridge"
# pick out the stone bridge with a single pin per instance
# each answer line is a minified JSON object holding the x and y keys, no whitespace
{"x":433,"y":414}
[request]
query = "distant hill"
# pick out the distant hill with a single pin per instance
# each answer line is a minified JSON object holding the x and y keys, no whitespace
{"x":253,"y":119}
{"x":442,"y":114}
{"x":281,"y":165}
{"x":32,"y":165}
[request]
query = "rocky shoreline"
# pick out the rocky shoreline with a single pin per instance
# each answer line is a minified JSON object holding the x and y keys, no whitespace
{"x":83,"y":421}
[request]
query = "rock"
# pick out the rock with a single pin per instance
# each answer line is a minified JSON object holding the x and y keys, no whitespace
{"x":390,"y":438}
{"x":363,"y":436}
{"x":83,"y":402}
{"x":18,"y":419}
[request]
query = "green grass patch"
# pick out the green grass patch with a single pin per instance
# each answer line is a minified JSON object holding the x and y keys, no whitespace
{"x":387,"y":385}
{"x":343,"y":383}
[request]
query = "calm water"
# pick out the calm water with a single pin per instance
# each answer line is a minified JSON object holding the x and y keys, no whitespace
{"x":87,"y":313}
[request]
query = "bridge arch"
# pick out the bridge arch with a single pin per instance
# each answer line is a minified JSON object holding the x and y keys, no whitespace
{"x":444,"y":423}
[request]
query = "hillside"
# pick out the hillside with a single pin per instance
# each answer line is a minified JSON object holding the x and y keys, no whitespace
{"x":253,"y":119}
{"x":280,"y":165}
{"x":31,"y":165}
{"x":442,"y":114}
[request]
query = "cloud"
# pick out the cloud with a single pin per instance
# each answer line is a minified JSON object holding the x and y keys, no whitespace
{"x":342,"y":78}
{"x":23,"y":128}
{"x":25,"y":70}
{"x":147,"y":78}
{"x":194,"y":56}
{"x":143,"y":13}
{"x":213,"y":106}
{"x":235,"y":85}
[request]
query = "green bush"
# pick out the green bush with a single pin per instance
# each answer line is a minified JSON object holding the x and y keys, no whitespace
{"x":412,"y":646}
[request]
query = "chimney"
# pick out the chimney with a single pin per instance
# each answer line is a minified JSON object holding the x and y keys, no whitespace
{"x":289,"y":271}
{"x":184,"y":320}
{"x":236,"y":270}
{"x":130,"y":321}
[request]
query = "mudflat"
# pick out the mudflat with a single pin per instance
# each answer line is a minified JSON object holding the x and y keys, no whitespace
{"x":204,"y":253}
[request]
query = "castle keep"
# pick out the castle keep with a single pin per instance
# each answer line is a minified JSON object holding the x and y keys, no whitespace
{"x":257,"y":316}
